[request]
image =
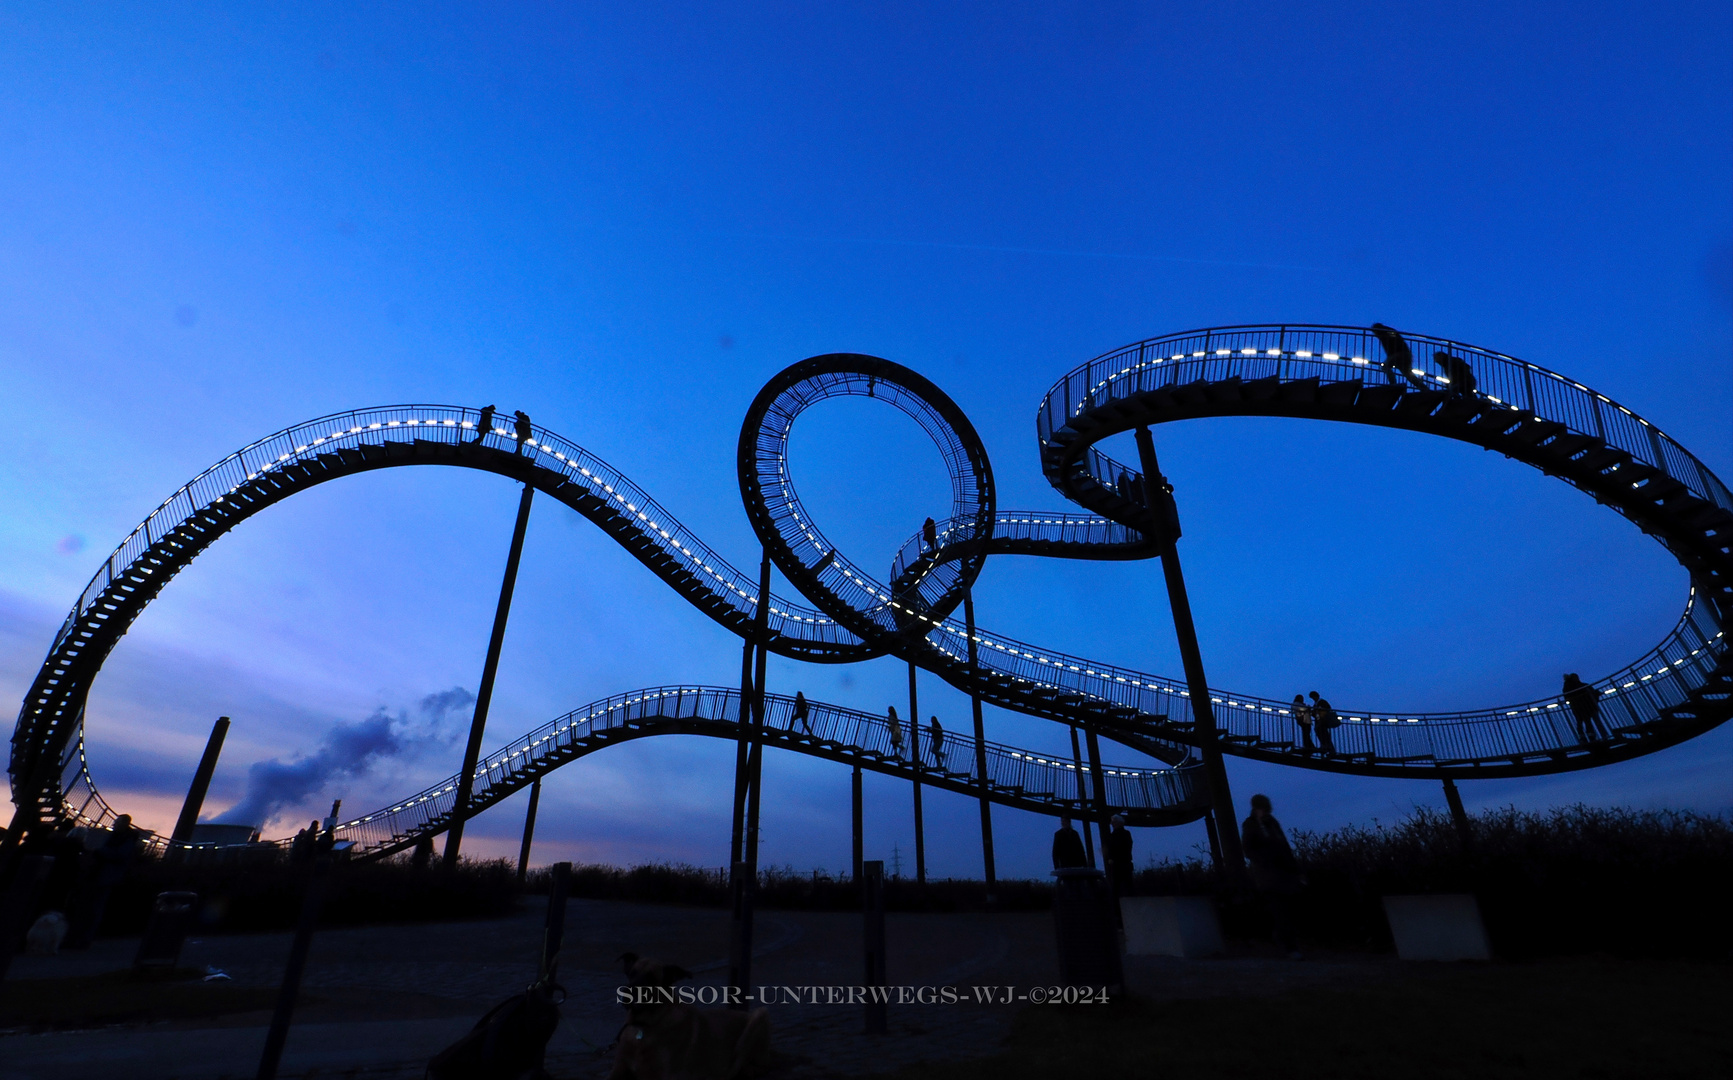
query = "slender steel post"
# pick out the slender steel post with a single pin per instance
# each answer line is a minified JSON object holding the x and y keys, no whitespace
{"x":745,"y":872}
{"x":483,"y":696}
{"x":742,"y":754}
{"x":859,"y":844}
{"x":1082,"y":799}
{"x":183,"y":832}
{"x":1457,"y":814}
{"x":523,"y":852}
{"x":1158,"y":498}
{"x":278,"y":1034}
{"x":980,"y":756}
{"x":915,"y":748}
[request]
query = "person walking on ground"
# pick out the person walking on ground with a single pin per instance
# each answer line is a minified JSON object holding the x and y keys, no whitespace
{"x":1275,"y":871}
{"x":1585,"y":703}
{"x":936,"y":736}
{"x":524,"y":431}
{"x":1325,"y":720}
{"x":799,"y":713}
{"x":1119,"y":865}
{"x":484,"y":425}
{"x":1303,"y":717}
{"x":896,"y":727}
{"x":1067,"y":846}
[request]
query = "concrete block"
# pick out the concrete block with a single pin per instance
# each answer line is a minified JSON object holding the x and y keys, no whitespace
{"x":1171,"y":926}
{"x":1443,"y":927}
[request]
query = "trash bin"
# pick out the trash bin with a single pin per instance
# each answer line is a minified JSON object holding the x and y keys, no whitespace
{"x":170,"y":919}
{"x":1085,"y":929}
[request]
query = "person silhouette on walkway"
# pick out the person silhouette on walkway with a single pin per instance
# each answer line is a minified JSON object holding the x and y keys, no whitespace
{"x":1275,"y":871}
{"x":1325,"y":720}
{"x":1119,"y":865}
{"x":1303,"y":717}
{"x":484,"y":425}
{"x":1456,"y":369}
{"x":1398,"y":357}
{"x":1067,"y":846}
{"x":936,"y":735}
{"x":799,"y":713}
{"x":930,"y":534}
{"x":896,"y":727}
{"x":1585,"y":703}
{"x":524,"y":431}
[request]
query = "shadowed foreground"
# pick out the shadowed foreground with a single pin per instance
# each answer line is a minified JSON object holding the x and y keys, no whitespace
{"x":1578,"y":1018}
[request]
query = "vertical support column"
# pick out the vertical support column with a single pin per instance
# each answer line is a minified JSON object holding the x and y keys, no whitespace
{"x":872,"y":904}
{"x":742,"y":755}
{"x":183,"y":832}
{"x":484,"y":695}
{"x":745,"y":872}
{"x":1464,"y":830}
{"x":1082,"y":799}
{"x":523,"y":852}
{"x":1164,"y":521}
{"x":1102,"y":812}
{"x":859,"y":845}
{"x":981,"y":758}
{"x":915,"y":750}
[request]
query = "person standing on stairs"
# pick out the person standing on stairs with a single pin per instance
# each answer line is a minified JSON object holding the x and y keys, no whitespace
{"x":1456,"y":369}
{"x":936,"y":735}
{"x":896,"y":727}
{"x":1398,"y":357}
{"x":1303,"y":719}
{"x":1585,"y":705}
{"x":799,"y":713}
{"x":484,"y":426}
{"x":1325,"y":720}
{"x":524,"y":431}
{"x":930,"y":534}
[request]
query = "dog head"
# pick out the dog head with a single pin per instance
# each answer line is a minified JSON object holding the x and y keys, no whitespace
{"x":643,"y":974}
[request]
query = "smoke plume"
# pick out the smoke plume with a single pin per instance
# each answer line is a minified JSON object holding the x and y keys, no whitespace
{"x":349,"y":750}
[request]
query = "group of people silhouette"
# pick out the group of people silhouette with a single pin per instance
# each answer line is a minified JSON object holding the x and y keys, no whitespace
{"x":1315,"y":716}
{"x":521,"y":427}
{"x":935,"y":736}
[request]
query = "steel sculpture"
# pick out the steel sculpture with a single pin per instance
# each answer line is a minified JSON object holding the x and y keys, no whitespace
{"x":1682,"y":687}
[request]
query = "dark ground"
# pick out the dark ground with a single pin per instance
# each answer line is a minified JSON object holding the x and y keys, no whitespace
{"x":378,"y":1001}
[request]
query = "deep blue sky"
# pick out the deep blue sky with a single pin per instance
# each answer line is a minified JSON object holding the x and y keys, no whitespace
{"x":219,"y":221}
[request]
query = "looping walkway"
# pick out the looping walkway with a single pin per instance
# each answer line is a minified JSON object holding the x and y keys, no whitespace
{"x":1374,"y":376}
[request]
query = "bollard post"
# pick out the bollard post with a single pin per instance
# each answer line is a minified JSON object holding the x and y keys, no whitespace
{"x":872,"y":902}
{"x":291,"y":987}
